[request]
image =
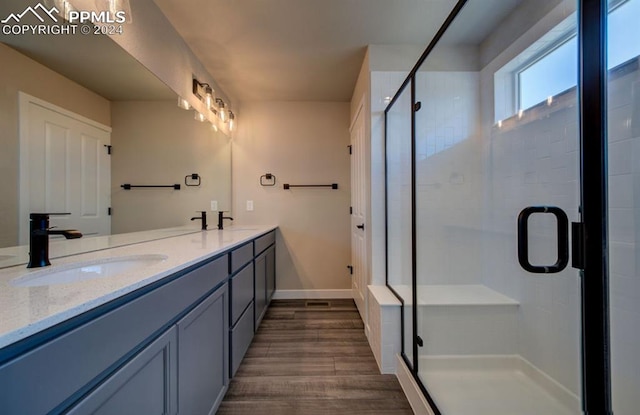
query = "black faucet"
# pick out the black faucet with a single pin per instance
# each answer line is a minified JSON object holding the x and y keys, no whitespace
{"x":221,"y":218}
{"x":39,"y":232}
{"x":203,"y":217}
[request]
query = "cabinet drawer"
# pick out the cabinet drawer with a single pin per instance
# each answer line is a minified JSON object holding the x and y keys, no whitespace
{"x":241,"y":292}
{"x":265,"y":241}
{"x":240,"y":256}
{"x":241,"y":336}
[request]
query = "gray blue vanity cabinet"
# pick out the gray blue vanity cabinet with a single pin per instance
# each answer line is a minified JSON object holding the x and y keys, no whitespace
{"x":167,"y":348}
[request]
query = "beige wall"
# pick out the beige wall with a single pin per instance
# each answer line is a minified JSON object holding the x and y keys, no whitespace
{"x":19,"y":73}
{"x":155,"y":142}
{"x":301,"y":143}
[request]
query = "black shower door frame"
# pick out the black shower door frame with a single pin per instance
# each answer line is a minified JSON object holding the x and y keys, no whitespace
{"x":592,"y":90}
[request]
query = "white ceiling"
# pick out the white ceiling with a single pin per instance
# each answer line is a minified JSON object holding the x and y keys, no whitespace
{"x":297,"y":50}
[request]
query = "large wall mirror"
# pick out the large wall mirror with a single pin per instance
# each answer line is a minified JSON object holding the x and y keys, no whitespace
{"x":57,"y":88}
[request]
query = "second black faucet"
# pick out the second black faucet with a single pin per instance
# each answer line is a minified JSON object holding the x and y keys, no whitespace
{"x":221,"y":219}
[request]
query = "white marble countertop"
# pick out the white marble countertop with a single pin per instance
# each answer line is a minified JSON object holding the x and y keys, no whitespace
{"x":25,"y":311}
{"x":59,"y":247}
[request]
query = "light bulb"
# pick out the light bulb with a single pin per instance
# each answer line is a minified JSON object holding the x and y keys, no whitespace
{"x":222,"y":113}
{"x":232,"y":121}
{"x":208,"y":98}
{"x":183,"y":103}
{"x":199,"y":117}
{"x":214,"y":127}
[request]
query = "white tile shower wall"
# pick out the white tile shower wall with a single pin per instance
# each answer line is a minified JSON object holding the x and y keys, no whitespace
{"x":624,"y":236}
{"x":448,"y":177}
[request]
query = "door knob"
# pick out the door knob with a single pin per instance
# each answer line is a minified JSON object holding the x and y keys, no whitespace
{"x":563,"y":240}
{"x":360,"y":226}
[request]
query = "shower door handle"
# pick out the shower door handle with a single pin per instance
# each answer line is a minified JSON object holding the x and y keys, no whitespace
{"x":563,"y":239}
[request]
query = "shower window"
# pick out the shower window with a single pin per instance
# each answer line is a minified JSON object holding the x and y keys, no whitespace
{"x":545,"y":69}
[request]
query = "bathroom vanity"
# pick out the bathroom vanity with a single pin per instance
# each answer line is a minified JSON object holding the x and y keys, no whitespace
{"x":165,"y":337}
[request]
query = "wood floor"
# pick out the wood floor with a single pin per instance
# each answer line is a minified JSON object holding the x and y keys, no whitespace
{"x":312,"y":360}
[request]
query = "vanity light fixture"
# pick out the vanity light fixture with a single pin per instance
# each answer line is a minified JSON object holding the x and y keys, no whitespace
{"x":200,"y":117}
{"x":222,"y":112}
{"x":183,"y":103}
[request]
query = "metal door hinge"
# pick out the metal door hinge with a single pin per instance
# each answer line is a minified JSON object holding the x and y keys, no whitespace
{"x":419,"y":341}
{"x":351,"y":210}
{"x":350,"y":149}
{"x":350,"y":267}
{"x":108,"y":148}
{"x":577,"y":245}
{"x":417,"y":106}
{"x":109,"y":211}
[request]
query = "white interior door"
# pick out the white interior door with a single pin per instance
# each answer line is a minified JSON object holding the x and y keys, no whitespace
{"x":64,"y":168}
{"x":358,"y":214}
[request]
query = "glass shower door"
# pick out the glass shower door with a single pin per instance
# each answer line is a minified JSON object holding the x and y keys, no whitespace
{"x":398,"y":205}
{"x":496,"y":132}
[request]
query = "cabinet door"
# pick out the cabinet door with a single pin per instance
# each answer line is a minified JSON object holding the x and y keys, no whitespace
{"x":203,"y":355}
{"x":261,"y":288}
{"x":241,"y":336}
{"x":145,"y":385}
{"x":271,"y":272}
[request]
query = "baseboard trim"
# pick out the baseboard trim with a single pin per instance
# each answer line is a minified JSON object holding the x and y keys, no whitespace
{"x":411,"y":389}
{"x":304,"y":294}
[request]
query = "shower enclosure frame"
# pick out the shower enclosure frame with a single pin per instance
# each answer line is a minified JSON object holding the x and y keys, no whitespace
{"x":591,"y":252}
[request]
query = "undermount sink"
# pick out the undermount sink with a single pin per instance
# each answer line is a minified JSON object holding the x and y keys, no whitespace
{"x":83,"y":271}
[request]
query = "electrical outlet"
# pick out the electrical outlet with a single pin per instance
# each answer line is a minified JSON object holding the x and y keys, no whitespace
{"x":249,"y":205}
{"x":214,"y":205}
